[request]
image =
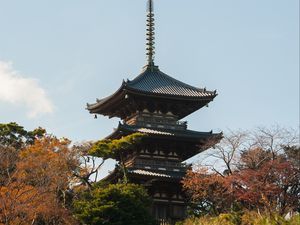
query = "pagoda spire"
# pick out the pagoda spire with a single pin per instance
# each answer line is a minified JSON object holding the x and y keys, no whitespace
{"x":150,"y":34}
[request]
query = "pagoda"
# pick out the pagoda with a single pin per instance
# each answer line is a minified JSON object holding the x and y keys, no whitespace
{"x":154,"y":103}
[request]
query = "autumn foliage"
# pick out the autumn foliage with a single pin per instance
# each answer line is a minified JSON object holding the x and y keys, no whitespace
{"x":274,"y":187}
{"x":46,"y":180}
{"x":43,"y":179}
{"x":210,"y":191}
{"x":36,"y":189}
{"x":264,"y":175}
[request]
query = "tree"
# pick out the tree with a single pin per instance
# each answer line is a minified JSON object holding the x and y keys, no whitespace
{"x":253,"y":158}
{"x":274,"y":139}
{"x":38,"y":186}
{"x":208,"y":191}
{"x":40,"y":175}
{"x":261,"y":172}
{"x":13,"y":138}
{"x":116,"y":149}
{"x":292,"y":154}
{"x":226,"y":151}
{"x":14,"y":135}
{"x":274,"y":187}
{"x":89,"y":165}
{"x":116,"y":204}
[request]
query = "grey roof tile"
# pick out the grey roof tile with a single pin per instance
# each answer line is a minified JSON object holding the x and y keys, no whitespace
{"x":162,"y":174}
{"x":168,"y":132}
{"x":152,"y":80}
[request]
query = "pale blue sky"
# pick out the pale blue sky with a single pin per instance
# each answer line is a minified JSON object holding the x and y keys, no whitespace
{"x":77,"y":51}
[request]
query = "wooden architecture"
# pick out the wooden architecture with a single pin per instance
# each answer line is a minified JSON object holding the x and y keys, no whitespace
{"x":154,"y":103}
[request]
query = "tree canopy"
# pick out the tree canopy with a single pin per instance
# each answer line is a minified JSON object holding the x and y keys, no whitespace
{"x":46,"y":180}
{"x":14,"y":135}
{"x":41,"y":175}
{"x":116,"y":149}
{"x":116,"y":204}
{"x":113,"y":148}
{"x":262,"y":172}
{"x":36,"y":190}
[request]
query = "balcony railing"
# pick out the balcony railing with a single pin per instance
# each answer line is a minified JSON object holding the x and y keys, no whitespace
{"x":157,"y":122}
{"x":178,"y":125}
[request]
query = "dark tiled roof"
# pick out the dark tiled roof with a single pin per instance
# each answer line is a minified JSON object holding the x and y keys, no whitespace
{"x":165,"y":132}
{"x":155,"y":85}
{"x":169,"y":175}
{"x":162,"y":174}
{"x":152,"y":80}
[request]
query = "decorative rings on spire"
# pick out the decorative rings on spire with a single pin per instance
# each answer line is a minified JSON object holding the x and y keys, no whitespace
{"x":150,"y":34}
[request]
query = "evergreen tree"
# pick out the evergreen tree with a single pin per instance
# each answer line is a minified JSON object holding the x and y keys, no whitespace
{"x":116,"y":204}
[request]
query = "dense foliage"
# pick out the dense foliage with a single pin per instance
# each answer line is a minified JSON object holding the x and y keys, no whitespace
{"x":116,"y":204}
{"x":262,"y":173}
{"x":35,"y":189}
{"x":108,"y":148}
{"x":247,"y":218}
{"x":41,"y":176}
{"x":45,"y":180}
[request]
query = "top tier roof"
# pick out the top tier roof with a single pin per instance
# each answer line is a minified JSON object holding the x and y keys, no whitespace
{"x":153,"y":81}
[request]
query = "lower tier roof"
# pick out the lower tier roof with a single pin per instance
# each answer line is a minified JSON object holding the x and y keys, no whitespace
{"x":125,"y":129}
{"x":114,"y":175}
{"x":156,"y":173}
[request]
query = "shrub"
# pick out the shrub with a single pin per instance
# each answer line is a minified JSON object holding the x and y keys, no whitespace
{"x":247,"y":218}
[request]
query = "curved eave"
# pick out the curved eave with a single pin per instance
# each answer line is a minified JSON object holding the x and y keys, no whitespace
{"x":102,"y":103}
{"x":107,"y":106}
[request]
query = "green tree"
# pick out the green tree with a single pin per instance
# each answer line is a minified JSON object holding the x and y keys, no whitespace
{"x":14,"y":135}
{"x":116,"y":149}
{"x":116,"y":204}
{"x":292,"y":154}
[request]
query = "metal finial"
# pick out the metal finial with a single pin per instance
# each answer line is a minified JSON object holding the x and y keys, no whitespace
{"x":150,"y":34}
